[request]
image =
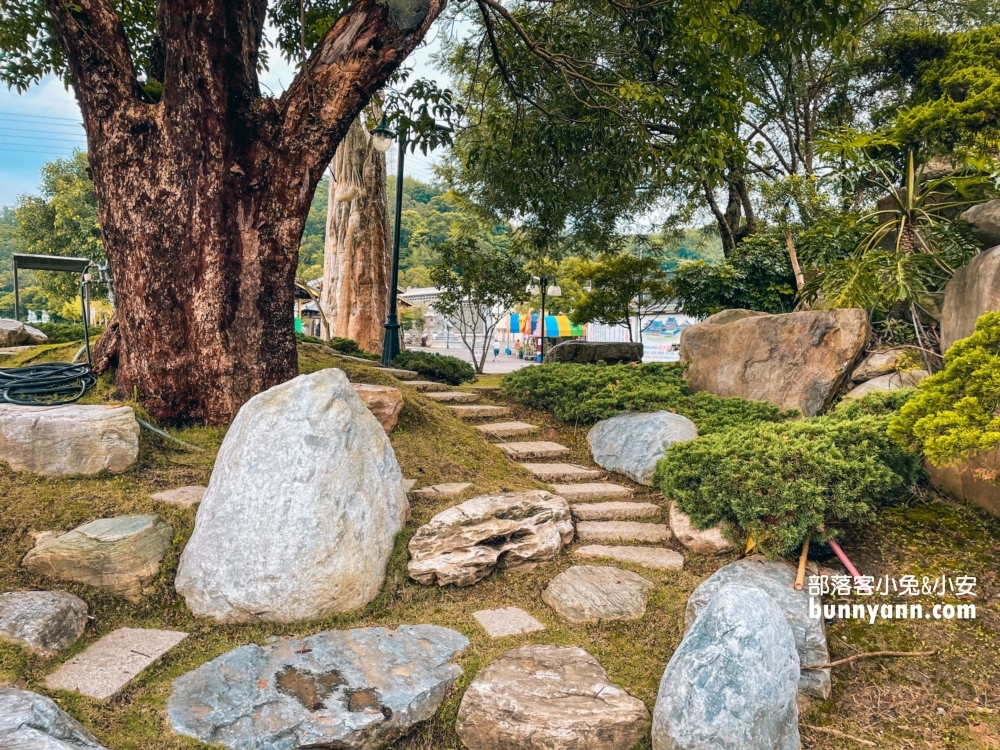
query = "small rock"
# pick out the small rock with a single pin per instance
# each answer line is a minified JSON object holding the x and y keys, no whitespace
{"x":351,"y":689}
{"x":985,"y":221}
{"x":449,"y":489}
{"x":119,"y":554}
{"x":43,"y":621}
{"x":499,"y":623}
{"x":408,"y":484}
{"x":55,"y":441}
{"x":891,"y":382}
{"x":551,"y":697}
{"x":622,"y":531}
{"x":589,"y":593}
{"x":29,"y":721}
{"x":658,"y":558}
{"x":731,"y":683}
{"x":631,"y":443}
{"x":34,"y":336}
{"x":384,"y":402}
{"x":879,"y":363}
{"x":464,"y":543}
{"x":183,"y":497}
{"x":707,"y":542}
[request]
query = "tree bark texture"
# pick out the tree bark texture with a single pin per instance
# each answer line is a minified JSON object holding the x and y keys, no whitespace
{"x":203,"y":195}
{"x":357,"y":253}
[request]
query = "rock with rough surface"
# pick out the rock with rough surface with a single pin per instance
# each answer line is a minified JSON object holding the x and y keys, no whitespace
{"x":358,"y":688}
{"x":776,"y":579}
{"x":119,"y":554}
{"x":891,"y":382}
{"x":12,"y":332}
{"x":730,"y":316}
{"x":383,"y":401}
{"x":632,"y":442}
{"x":969,"y":480}
{"x":551,"y":697}
{"x":658,"y":558}
{"x":43,"y":621}
{"x":464,"y":543}
{"x":56,"y":441}
{"x":29,"y":721}
{"x":707,"y":542}
{"x":182,"y":497}
{"x":794,"y":360}
{"x":879,"y":363}
{"x":589,"y":352}
{"x":34,"y":336}
{"x":302,"y":510}
{"x":972,"y":291}
{"x":985,"y":221}
{"x":590,"y":593}
{"x":731,"y":683}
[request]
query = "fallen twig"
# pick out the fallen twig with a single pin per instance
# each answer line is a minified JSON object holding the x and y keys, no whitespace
{"x":842,"y":735}
{"x":867,"y":655}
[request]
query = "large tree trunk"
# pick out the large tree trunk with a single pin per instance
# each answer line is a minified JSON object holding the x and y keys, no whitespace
{"x":357,"y":253}
{"x":203,"y":195}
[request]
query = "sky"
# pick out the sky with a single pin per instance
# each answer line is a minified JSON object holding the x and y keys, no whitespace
{"x":44,"y":123}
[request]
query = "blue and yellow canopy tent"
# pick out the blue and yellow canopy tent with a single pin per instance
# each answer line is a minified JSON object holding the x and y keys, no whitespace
{"x":556,"y":326}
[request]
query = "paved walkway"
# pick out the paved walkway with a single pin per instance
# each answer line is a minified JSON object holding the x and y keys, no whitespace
{"x":503,"y":365}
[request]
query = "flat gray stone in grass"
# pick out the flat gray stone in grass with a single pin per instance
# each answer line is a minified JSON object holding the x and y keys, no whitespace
{"x":43,"y":621}
{"x":29,"y":721}
{"x":499,"y":623}
{"x":590,"y":593}
{"x":622,"y":531}
{"x":659,"y":558}
{"x":107,"y":666}
{"x":450,"y":489}
{"x":183,"y":497}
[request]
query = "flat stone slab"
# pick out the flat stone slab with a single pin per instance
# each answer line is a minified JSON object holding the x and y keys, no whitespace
{"x":29,"y":721}
{"x":499,"y":623}
{"x":591,"y":490}
{"x":622,"y":531}
{"x":107,"y":666}
{"x":451,"y":489}
{"x":349,"y":689}
{"x":453,"y":397}
{"x":183,"y":497}
{"x":507,"y":429}
{"x":478,"y":411}
{"x":561,"y":472}
{"x":614,"y":511}
{"x":427,"y":386}
{"x":658,"y":558}
{"x":590,"y":593}
{"x":383,"y":401}
{"x":397,"y":373}
{"x":42,"y":621}
{"x":534,"y":449}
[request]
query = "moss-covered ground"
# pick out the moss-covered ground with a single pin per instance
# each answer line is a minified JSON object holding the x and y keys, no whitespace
{"x":949,"y":700}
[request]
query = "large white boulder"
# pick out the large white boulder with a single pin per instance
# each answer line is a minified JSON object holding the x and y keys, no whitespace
{"x":631,"y":443}
{"x":302,"y":509}
{"x":56,"y":441}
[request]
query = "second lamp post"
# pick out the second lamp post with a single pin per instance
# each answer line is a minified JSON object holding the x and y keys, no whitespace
{"x":382,"y":137}
{"x":539,"y":287}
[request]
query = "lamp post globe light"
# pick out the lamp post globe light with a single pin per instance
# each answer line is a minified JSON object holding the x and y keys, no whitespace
{"x":540,"y":285}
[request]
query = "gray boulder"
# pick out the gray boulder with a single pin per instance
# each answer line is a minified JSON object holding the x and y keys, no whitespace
{"x":43,"y":621}
{"x":29,"y":721}
{"x":631,"y":443}
{"x":972,"y":291}
{"x":589,"y":352}
{"x":985,"y":221}
{"x":795,"y":360}
{"x":776,"y":579}
{"x":34,"y":336}
{"x":731,"y":683}
{"x":553,"y":697}
{"x":591,"y":593}
{"x":891,"y":382}
{"x":339,"y":688}
{"x":731,"y":316}
{"x":302,"y":510}
{"x":12,"y":332}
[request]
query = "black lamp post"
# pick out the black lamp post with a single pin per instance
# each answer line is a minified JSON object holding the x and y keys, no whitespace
{"x":382,"y":137}
{"x":552,"y":291}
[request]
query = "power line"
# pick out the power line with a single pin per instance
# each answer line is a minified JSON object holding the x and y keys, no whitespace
{"x":40,"y":140}
{"x":41,"y":117}
{"x":32,"y":130}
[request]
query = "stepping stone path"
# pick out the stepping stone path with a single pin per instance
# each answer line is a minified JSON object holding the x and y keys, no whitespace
{"x":42,"y":621}
{"x":500,"y":623}
{"x":549,"y":697}
{"x":614,"y":511}
{"x":591,"y":490}
{"x":622,"y":531}
{"x":478,"y":411}
{"x":183,"y":497}
{"x":561,"y":472}
{"x":452,"y":489}
{"x":108,"y":665}
{"x":453,"y":397}
{"x":658,"y":558}
{"x":29,"y":721}
{"x":395,"y":372}
{"x":537,"y":449}
{"x":361,"y":688}
{"x":507,"y":429}
{"x":590,"y":593}
{"x":426,"y":386}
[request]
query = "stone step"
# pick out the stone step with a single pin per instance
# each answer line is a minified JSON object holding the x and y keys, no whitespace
{"x":603,"y":532}
{"x":425,"y":386}
{"x":453,"y":397}
{"x":500,"y":623}
{"x":614,"y":511}
{"x":561,"y":472}
{"x":450,"y":489}
{"x":507,"y":429}
{"x":659,"y":558}
{"x":591,"y":490}
{"x":400,"y":374}
{"x":478,"y":411}
{"x":535,"y":449}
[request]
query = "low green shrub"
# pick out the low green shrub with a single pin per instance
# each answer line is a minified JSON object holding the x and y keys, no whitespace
{"x":955,"y":413}
{"x":343,"y":346}
{"x":441,"y":367}
{"x":586,"y":393}
{"x":777,"y":483}
{"x":63,"y":333}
